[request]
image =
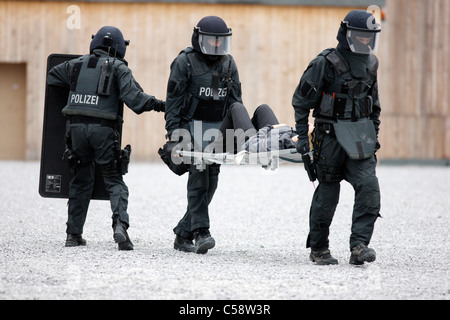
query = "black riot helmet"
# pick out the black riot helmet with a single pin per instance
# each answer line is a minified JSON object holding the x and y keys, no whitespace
{"x":359,"y":32}
{"x":211,"y":36}
{"x":111,"y":40}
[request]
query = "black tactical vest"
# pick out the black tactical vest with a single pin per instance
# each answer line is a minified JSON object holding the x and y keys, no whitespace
{"x":207,"y":89}
{"x":344,"y":95}
{"x":86,"y":98}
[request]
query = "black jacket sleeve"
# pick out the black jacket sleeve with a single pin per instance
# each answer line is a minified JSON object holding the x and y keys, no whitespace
{"x":59,"y":75}
{"x":176,"y":89}
{"x":308,"y":93}
{"x":131,"y":93}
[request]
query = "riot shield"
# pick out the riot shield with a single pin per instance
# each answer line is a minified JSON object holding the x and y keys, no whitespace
{"x":56,"y":173}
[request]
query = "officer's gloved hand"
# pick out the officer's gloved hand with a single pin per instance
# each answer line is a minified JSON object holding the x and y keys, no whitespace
{"x":302,"y":144}
{"x":172,"y":159}
{"x":159,"y":105}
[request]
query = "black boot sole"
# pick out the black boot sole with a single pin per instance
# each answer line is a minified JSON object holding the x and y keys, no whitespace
{"x":125,"y":246}
{"x":74,"y":244}
{"x":363,"y":257}
{"x":119,"y":237}
{"x":323,"y":262}
{"x":203,"y":247}
{"x":124,"y":242}
{"x":184,"y":248}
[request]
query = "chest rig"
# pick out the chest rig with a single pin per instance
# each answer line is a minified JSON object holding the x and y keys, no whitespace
{"x":208,"y":88}
{"x":346,"y":96}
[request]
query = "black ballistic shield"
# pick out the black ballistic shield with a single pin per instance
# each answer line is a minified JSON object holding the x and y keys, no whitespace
{"x":56,"y":173}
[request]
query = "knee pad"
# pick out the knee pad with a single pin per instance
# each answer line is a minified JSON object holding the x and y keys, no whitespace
{"x":370,"y":192}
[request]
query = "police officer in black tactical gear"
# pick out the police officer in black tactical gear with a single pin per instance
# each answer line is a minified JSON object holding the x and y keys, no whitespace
{"x":340,"y":85}
{"x":99,"y":82}
{"x":203,"y":83}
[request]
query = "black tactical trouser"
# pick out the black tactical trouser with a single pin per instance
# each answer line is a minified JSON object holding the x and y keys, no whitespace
{"x":94,"y":143}
{"x":201,"y":187}
{"x":333,"y":165}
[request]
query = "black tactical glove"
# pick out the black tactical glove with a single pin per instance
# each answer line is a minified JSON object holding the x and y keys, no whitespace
{"x":302,"y":144}
{"x":308,"y":162}
{"x":302,"y":147}
{"x":166,"y":156}
{"x":159,"y":105}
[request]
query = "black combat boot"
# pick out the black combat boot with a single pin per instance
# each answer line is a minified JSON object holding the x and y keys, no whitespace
{"x":203,"y":240}
{"x":183,"y":244}
{"x":322,"y":257}
{"x":74,"y":240}
{"x":361,"y":253}
{"x":121,"y":236}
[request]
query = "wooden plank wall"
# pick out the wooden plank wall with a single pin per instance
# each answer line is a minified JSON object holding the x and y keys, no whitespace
{"x":415,"y":70}
{"x":272,"y":46}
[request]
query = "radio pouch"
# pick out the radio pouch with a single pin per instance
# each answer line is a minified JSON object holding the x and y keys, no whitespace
{"x":106,"y":78}
{"x":327,"y":105}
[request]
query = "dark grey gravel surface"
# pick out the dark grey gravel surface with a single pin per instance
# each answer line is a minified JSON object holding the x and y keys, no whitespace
{"x":260,"y":222}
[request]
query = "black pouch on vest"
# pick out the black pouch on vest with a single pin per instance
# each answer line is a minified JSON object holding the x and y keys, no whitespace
{"x":366,"y":106}
{"x":327,"y":105}
{"x":106,"y":78}
{"x":357,"y":138}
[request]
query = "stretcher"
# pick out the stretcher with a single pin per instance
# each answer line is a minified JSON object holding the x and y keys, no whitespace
{"x":268,"y":160}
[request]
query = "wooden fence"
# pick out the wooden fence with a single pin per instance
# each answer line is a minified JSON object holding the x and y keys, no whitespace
{"x":272,"y":46}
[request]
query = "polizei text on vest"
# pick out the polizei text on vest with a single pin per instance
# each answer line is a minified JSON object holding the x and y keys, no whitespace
{"x":84,"y":99}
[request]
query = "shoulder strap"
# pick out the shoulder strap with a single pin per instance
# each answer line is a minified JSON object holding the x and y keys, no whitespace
{"x":197,"y":67}
{"x":339,"y":65}
{"x":326,"y":52}
{"x":229,"y":83}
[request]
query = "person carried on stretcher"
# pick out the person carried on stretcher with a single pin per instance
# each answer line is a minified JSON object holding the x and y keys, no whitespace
{"x":262,"y":133}
{"x":241,"y":140}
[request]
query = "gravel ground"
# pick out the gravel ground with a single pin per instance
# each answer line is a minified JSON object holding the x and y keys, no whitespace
{"x":260,"y":222}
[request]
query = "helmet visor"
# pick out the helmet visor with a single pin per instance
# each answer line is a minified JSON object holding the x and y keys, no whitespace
{"x":217,"y":45}
{"x":363,"y":41}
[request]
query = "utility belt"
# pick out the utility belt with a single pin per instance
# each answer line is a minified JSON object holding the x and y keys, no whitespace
{"x":103,"y":122}
{"x":326,"y":127}
{"x":119,"y":165}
